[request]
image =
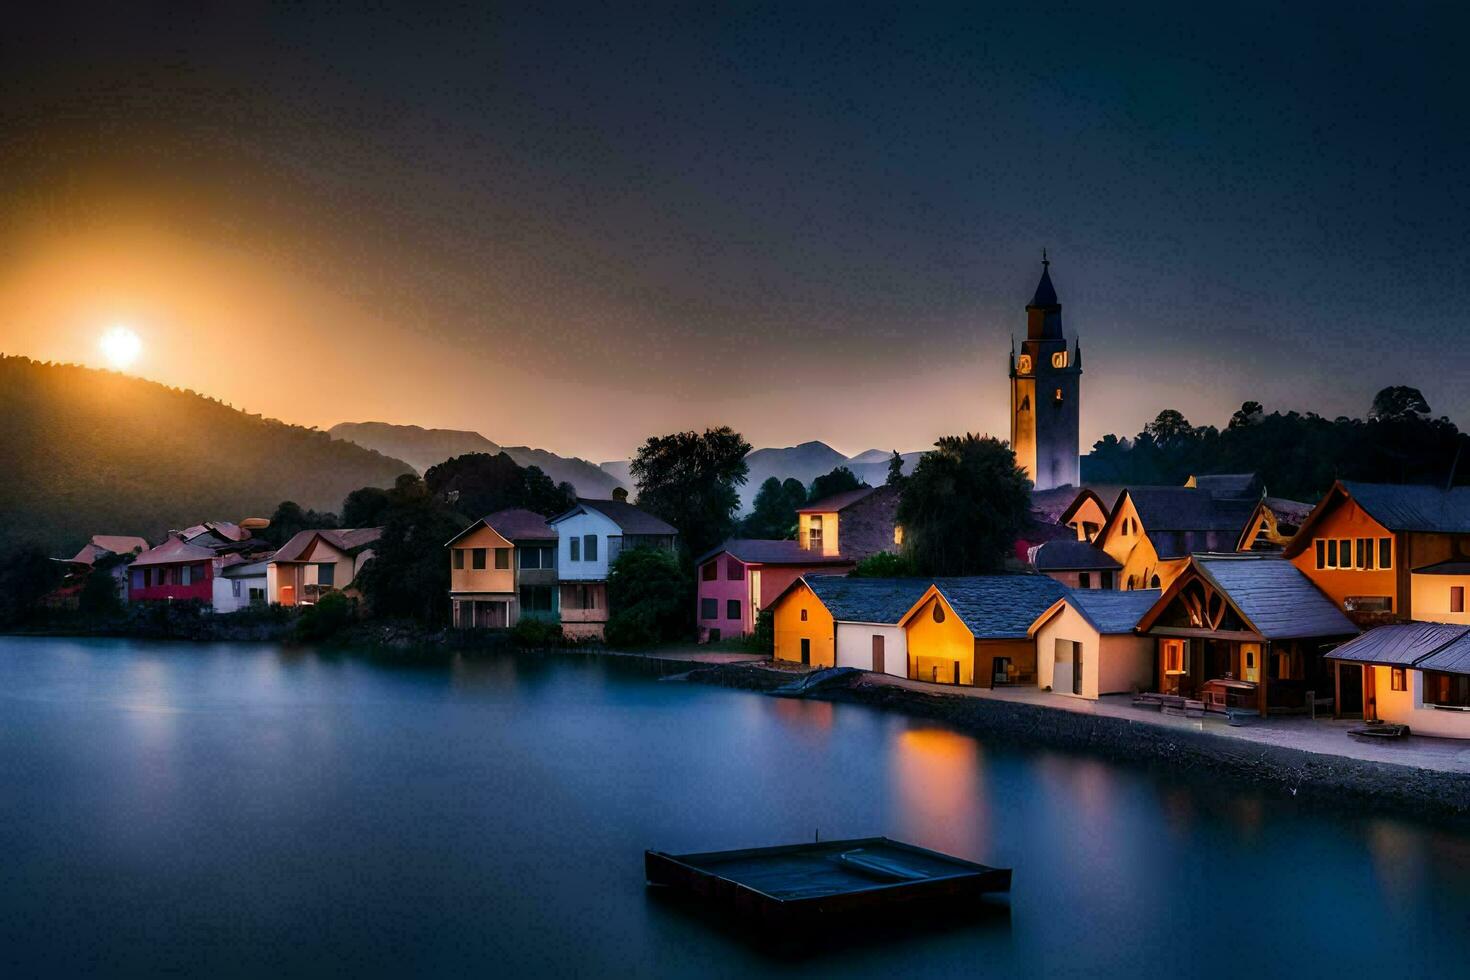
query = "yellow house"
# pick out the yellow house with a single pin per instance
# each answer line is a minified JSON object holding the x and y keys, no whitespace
{"x":1273,"y":524}
{"x":976,"y":630}
{"x":1153,"y":530}
{"x":1089,"y":510}
{"x":1414,"y":674}
{"x":1086,"y":644}
{"x":315,"y":562}
{"x":805,"y":631}
{"x":482,"y":584}
{"x":1438,"y":591}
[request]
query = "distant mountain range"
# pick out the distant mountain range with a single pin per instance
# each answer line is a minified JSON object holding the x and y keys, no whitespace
{"x":423,"y":448}
{"x":94,"y":452}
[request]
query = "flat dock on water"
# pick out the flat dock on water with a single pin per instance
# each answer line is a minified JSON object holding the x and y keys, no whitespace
{"x":796,"y":883}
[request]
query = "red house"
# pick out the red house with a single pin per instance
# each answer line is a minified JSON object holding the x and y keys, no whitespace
{"x":173,"y":570}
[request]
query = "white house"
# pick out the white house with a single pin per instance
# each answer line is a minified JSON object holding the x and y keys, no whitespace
{"x":1086,"y":645}
{"x":590,"y":537}
{"x":865,"y":614}
{"x":240,"y":585}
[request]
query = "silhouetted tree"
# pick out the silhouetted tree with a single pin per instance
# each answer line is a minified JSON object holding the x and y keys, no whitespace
{"x":409,"y":575}
{"x":963,"y":506}
{"x":101,"y":597}
{"x":773,"y":515}
{"x":895,"y":470}
{"x":477,"y":484}
{"x":840,"y":480}
{"x":692,"y":480}
{"x":27,"y":574}
{"x":290,"y":518}
{"x":1398,"y":402}
{"x":365,"y":507}
{"x":649,"y":598}
{"x":1248,"y":414}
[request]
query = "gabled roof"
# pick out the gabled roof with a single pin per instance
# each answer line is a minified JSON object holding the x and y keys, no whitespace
{"x":1186,"y":509}
{"x":1452,"y":658}
{"x":1104,"y":494}
{"x":866,"y":600}
{"x":519,"y":524}
{"x":249,"y":569}
{"x":104,"y":544}
{"x":343,"y":539}
{"x":995,"y":607}
{"x":628,"y":518}
{"x":771,"y":551}
{"x":1398,"y":644}
{"x":1398,"y":507}
{"x":1286,"y":512}
{"x":1071,"y":555}
{"x":1270,"y":593}
{"x":1110,"y":613}
{"x":174,"y":550}
{"x":837,"y":501}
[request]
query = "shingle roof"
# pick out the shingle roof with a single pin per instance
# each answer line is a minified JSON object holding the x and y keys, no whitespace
{"x":1187,"y":509}
{"x":1453,"y":658}
{"x":1230,"y":485}
{"x":519,"y":524}
{"x":173,"y":550}
{"x":1451,"y":567}
{"x":346,"y":539}
{"x":866,"y":600}
{"x":246,"y":569}
{"x":836,"y":502}
{"x":1059,"y":502}
{"x":1071,"y":555}
{"x":1110,"y":611}
{"x":770,"y":551}
{"x":1274,"y":596}
{"x":627,"y":517}
{"x":1292,"y":511}
{"x":1398,"y":644}
{"x":1413,"y":507}
{"x":996,"y":607}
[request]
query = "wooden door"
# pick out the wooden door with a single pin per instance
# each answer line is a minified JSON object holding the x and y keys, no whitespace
{"x":806,"y":650}
{"x":877,"y":654}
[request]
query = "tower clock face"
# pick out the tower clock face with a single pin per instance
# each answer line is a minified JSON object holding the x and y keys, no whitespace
{"x":1023,"y":364}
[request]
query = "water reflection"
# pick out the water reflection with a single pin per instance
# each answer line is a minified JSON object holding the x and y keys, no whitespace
{"x":936,"y":776}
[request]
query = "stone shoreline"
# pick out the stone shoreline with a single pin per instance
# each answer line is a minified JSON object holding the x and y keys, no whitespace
{"x":1377,"y":786}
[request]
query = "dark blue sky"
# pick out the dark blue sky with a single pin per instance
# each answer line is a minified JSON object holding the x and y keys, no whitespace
{"x":814,"y":223}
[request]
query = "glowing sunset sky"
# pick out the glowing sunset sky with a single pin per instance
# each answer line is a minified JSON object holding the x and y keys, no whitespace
{"x":575,"y":229}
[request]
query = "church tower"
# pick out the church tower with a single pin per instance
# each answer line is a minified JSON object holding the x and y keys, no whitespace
{"x":1046,"y":389}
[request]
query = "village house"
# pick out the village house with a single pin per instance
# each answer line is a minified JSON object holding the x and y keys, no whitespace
{"x":174,"y":571}
{"x":1363,"y":542}
{"x":591,"y":535}
{"x":240,"y":584}
{"x":1153,"y":530}
{"x":1083,"y":510}
{"x":976,"y":630}
{"x":1086,"y":645}
{"x":745,"y":575}
{"x":1245,"y":631}
{"x":503,"y":567}
{"x":854,"y":524}
{"x":117,"y":548}
{"x":1414,"y":674}
{"x":1076,"y":564}
{"x":317,"y":561}
{"x":834,"y":620}
{"x":1272,"y":525}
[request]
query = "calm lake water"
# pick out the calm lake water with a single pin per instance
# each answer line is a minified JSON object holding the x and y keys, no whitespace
{"x":249,"y":810}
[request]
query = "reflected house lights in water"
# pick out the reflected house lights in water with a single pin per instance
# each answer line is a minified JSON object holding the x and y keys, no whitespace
{"x":936,"y":776}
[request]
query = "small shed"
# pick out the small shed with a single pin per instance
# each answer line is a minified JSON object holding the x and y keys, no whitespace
{"x":1086,"y":644}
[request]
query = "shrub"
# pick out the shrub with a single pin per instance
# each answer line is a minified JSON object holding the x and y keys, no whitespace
{"x":885,"y":565}
{"x":328,"y":616}
{"x":536,"y":633}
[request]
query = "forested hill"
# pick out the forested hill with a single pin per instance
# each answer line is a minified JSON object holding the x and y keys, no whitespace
{"x":94,"y":452}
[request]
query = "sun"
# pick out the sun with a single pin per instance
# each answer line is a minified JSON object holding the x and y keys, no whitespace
{"x":121,"y":347}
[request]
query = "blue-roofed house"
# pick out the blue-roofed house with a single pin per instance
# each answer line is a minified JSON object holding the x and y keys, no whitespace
{"x":1245,"y":630}
{"x":1087,"y":644}
{"x":1365,"y":544}
{"x":1415,"y":674}
{"x":833,"y":620}
{"x":976,"y":630}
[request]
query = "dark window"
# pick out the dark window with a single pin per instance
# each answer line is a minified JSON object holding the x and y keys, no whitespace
{"x":1450,"y":690}
{"x":1084,"y":580}
{"x":710,"y":571}
{"x":803,"y":615}
{"x":1332,"y":553}
{"x":732,"y":608}
{"x":709,"y":609}
{"x":576,"y":548}
{"x":326,"y":575}
{"x":529,"y":557}
{"x":536,"y":598}
{"x":734,"y":570}
{"x":1457,"y":598}
{"x":477,"y":558}
{"x":1385,"y":552}
{"x":1396,"y":679}
{"x":938,"y":612}
{"x":589,"y":597}
{"x":589,"y":546}
{"x":1154,"y":582}
{"x":1321,"y":553}
{"x":1361,"y":555}
{"x":459,"y":558}
{"x":502,"y":557}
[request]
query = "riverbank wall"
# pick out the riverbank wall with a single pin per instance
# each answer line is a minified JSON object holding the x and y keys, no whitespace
{"x":1319,"y":777}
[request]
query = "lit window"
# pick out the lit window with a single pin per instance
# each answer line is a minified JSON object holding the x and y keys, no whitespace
{"x":1176,"y":657}
{"x":1457,"y":598}
{"x":1059,"y":359}
{"x":1396,"y":679}
{"x":1057,"y":396}
{"x":1023,"y":364}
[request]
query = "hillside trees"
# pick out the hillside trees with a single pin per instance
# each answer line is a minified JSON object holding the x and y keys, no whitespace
{"x":963,"y":506}
{"x":692,"y":480}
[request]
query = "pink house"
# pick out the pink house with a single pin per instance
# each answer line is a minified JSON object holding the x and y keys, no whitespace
{"x":742,"y":576}
{"x":173,"y":570}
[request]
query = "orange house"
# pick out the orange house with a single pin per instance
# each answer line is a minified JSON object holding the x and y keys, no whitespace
{"x":805,"y":631}
{"x":1362,"y":542}
{"x":975,"y":631}
{"x":1152,"y":531}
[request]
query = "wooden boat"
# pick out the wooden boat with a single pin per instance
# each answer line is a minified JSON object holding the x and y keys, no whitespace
{"x":802,"y":885}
